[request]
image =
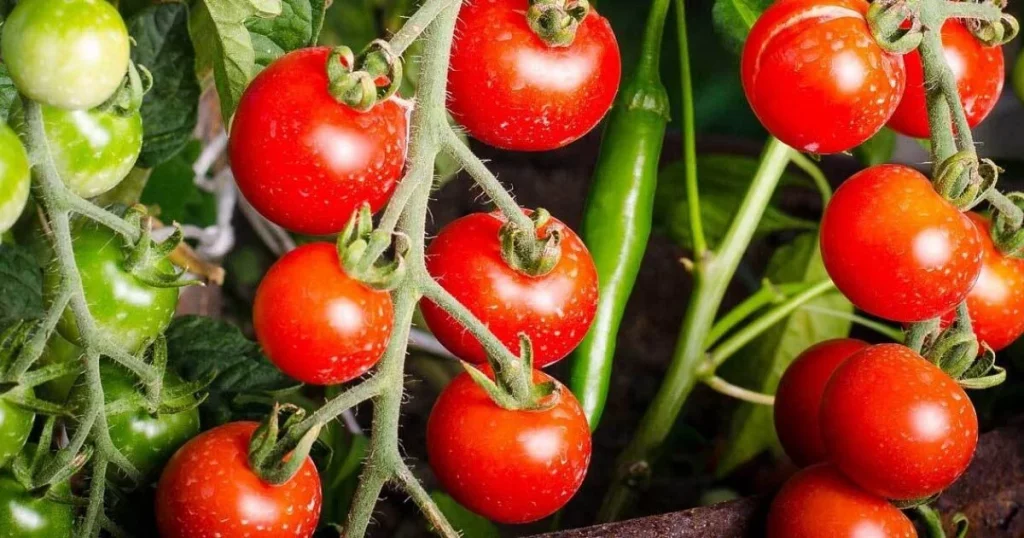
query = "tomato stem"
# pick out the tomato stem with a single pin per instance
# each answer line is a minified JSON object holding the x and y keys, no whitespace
{"x":754,"y":329}
{"x":700,"y":242}
{"x":740,"y":393}
{"x":767,"y":295}
{"x":417,"y":23}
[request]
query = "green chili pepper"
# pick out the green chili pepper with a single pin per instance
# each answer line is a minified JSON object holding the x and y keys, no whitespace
{"x":617,"y":221}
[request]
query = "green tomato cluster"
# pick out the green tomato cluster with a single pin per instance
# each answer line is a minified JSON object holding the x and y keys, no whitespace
{"x":70,"y":54}
{"x":71,"y":57}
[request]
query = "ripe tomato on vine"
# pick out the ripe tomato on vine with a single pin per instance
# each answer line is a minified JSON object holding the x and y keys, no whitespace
{"x":316,"y":323}
{"x":306,"y":161}
{"x":979,"y":74}
{"x":815,"y":76}
{"x":511,"y":466}
{"x":896,"y":424}
{"x":209,"y":490}
{"x":512,"y":89}
{"x":798,"y":398}
{"x":819,"y":501}
{"x":996,"y":302}
{"x":554,"y":309}
{"x":896,"y":248}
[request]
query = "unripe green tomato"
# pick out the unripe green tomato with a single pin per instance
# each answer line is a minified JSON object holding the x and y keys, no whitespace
{"x":92,"y":150}
{"x":66,"y":53}
{"x":146,"y":440}
{"x":15,"y":427}
{"x":24,"y":514}
{"x":128,"y":312}
{"x":14,"y":177}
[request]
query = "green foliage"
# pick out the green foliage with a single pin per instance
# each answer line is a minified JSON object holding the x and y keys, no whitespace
{"x":172,"y":188}
{"x":235,"y":39}
{"x":170,"y":108}
{"x":21,"y":285}
{"x":297,"y":26}
{"x":722,"y":180}
{"x":733,"y":19}
{"x":198,"y":346}
{"x":223,"y":44}
{"x":470,"y":524}
{"x":761,"y":364}
{"x":8,"y":93}
{"x":878,"y":149}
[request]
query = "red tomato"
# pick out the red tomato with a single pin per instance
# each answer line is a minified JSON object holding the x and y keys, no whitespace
{"x":208,"y":491}
{"x":896,"y":424}
{"x":996,"y":302}
{"x":979,"y":80}
{"x":508,"y":466}
{"x":798,"y":398}
{"x":818,"y":502}
{"x":815,"y":76}
{"x":512,"y":90}
{"x":306,"y":161}
{"x":316,"y":323}
{"x":554,"y":310}
{"x":895,"y":248}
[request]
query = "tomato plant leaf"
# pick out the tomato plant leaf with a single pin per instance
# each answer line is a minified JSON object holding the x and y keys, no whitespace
{"x":198,"y":345}
{"x":8,"y":93}
{"x":733,"y":19}
{"x":294,"y":28}
{"x":171,"y":108}
{"x":761,"y":364}
{"x":21,"y":285}
{"x":878,"y":149}
{"x":722,"y":176}
{"x":224,"y":46}
{"x":172,"y":188}
{"x":471,"y":525}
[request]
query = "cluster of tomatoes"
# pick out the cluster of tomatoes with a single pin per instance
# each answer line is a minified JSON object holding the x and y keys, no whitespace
{"x":308,"y":162}
{"x":877,"y":422}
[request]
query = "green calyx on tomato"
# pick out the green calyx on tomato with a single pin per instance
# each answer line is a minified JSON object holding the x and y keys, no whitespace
{"x":556,"y":21}
{"x":353,"y":79}
{"x":146,"y":439}
{"x":127,"y":311}
{"x":25,"y":515}
{"x":15,"y":177}
{"x":92,"y":150}
{"x":71,"y":54}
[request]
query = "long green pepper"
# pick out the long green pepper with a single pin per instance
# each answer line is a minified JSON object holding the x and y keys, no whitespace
{"x":617,"y":221}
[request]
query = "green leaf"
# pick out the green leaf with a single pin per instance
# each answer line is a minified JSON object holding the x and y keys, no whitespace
{"x":734,"y":18}
{"x":223,"y":44}
{"x":292,"y":29}
{"x":722,"y":177}
{"x":878,"y":149}
{"x":471,"y":525}
{"x":8,"y":93}
{"x":761,"y":364}
{"x":171,"y":108}
{"x":21,"y":285}
{"x":172,"y":188}
{"x":197,"y":346}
